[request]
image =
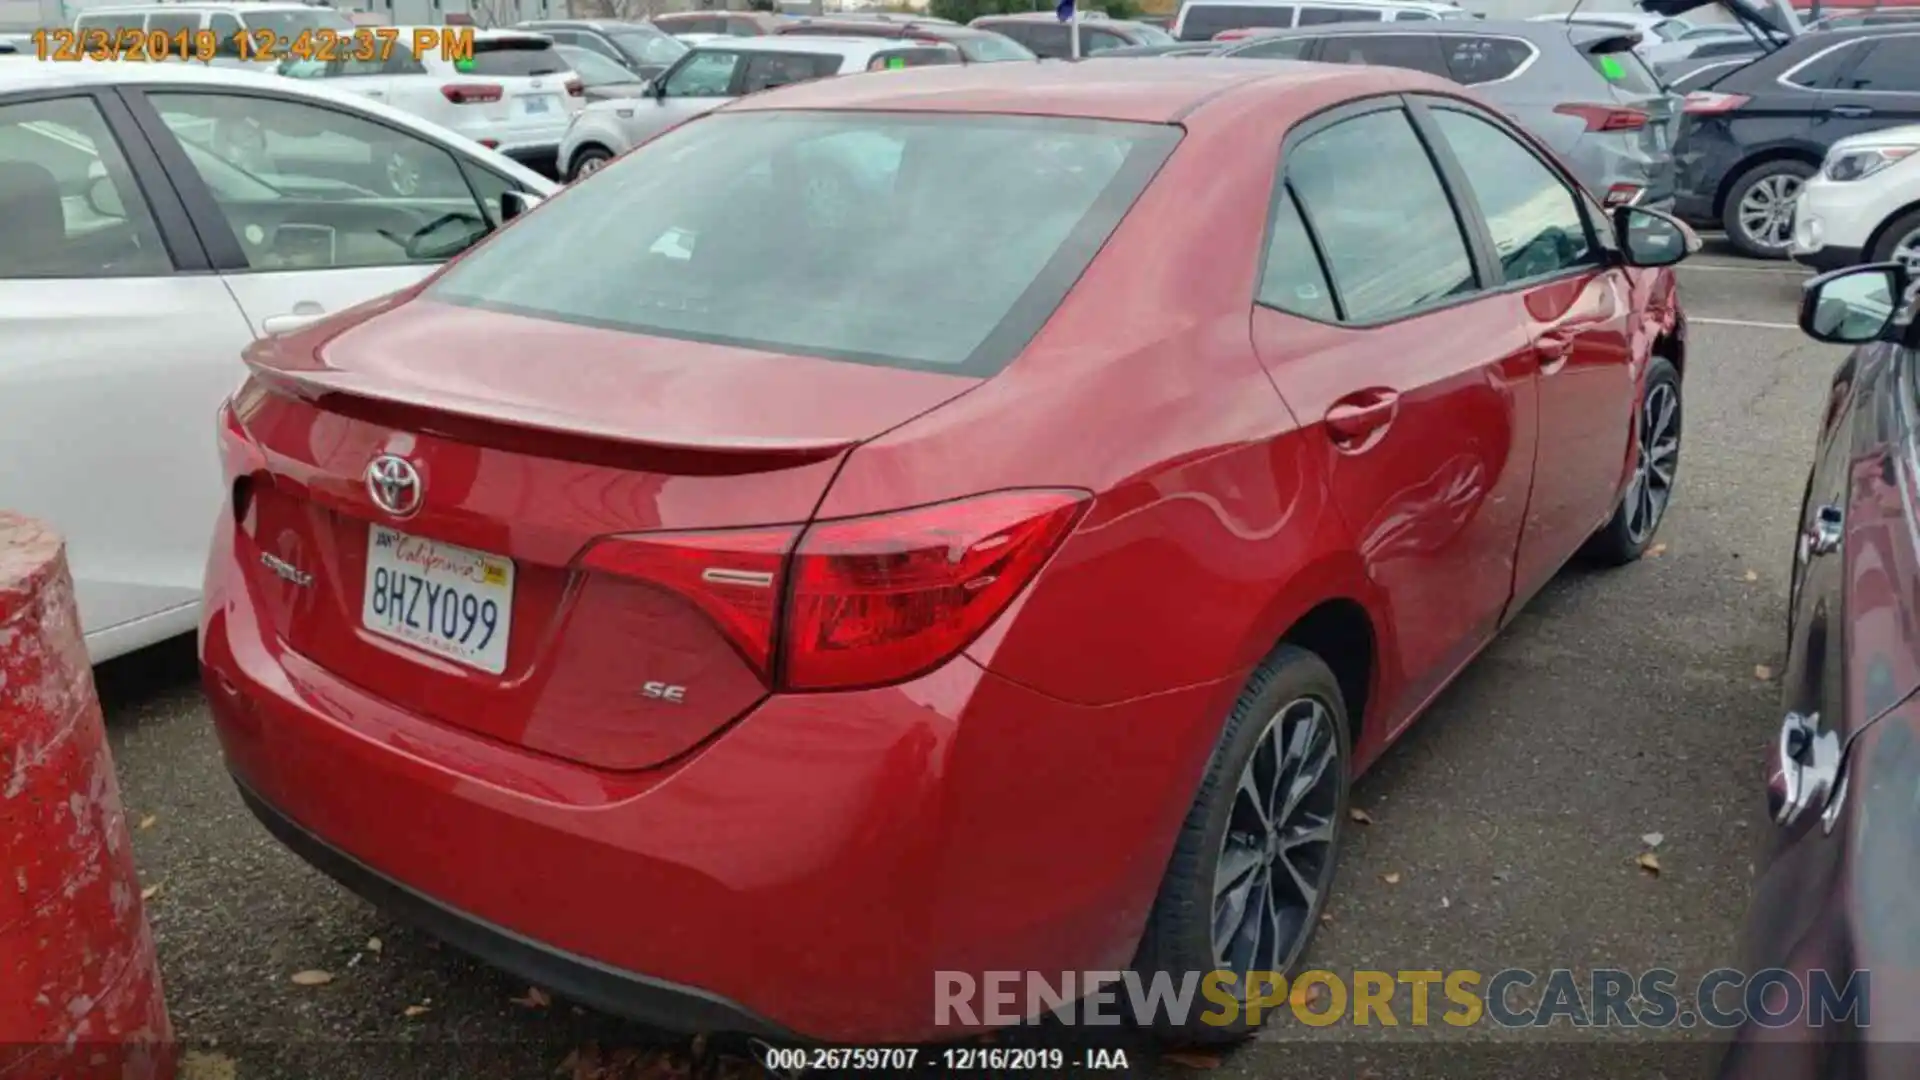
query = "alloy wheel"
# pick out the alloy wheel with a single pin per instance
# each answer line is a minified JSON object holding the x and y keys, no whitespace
{"x":1276,"y":860}
{"x":1659,"y":452}
{"x":1907,"y":250}
{"x":590,"y":166}
{"x":1766,"y":210}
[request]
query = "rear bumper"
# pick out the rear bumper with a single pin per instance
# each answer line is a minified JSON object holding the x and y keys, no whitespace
{"x":808,"y":869}
{"x":649,"y":1001}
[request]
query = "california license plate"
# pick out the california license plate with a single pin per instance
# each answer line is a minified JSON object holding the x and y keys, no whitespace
{"x":450,"y":601}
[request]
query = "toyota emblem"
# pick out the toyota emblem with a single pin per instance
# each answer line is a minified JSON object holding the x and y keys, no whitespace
{"x":395,"y":485}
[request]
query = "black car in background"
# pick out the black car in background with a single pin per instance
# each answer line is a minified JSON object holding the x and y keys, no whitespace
{"x":1837,"y":895}
{"x":640,"y":48}
{"x":1753,"y":135}
{"x":1048,"y":37}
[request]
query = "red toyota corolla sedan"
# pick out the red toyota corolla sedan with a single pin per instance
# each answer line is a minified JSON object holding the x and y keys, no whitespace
{"x":971,"y":519}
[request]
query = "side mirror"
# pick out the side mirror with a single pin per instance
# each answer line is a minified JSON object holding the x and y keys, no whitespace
{"x":1653,"y":237}
{"x":1854,"y":305}
{"x":515,"y":203}
{"x":103,"y":198}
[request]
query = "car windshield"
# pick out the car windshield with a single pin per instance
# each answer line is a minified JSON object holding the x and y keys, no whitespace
{"x":593,"y":69}
{"x":649,"y":46}
{"x":988,"y":48}
{"x":884,"y":238}
{"x":288,"y":25}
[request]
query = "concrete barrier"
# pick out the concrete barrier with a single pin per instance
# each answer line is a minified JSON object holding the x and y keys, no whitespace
{"x":80,"y":994}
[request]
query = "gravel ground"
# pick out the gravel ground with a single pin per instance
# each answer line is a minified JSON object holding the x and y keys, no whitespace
{"x":1505,"y":826}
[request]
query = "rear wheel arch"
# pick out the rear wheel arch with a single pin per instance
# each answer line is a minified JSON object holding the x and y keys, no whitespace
{"x":1881,"y":231}
{"x":1341,"y":633}
{"x":1747,"y":164}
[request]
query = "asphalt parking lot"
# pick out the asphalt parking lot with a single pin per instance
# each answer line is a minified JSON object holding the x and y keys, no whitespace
{"x":1505,"y":829}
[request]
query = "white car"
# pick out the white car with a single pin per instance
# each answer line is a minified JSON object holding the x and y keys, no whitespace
{"x":1864,"y":204}
{"x":515,"y":94}
{"x":711,"y":75}
{"x":242,"y":30}
{"x":154,"y":220}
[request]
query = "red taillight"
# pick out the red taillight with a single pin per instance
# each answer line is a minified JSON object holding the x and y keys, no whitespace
{"x":472,"y":93}
{"x":1708,"y":103}
{"x":881,"y":599}
{"x":857,"y":602}
{"x":1623,"y":194}
{"x":733,"y":575}
{"x":575,"y":88}
{"x":1606,"y":117}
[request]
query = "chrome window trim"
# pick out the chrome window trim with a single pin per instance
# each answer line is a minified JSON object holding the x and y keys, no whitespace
{"x":1785,"y":77}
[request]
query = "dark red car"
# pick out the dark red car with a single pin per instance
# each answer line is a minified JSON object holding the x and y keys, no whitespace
{"x":961,"y":519}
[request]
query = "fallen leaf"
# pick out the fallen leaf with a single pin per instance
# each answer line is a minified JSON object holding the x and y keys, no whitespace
{"x":1762,"y":672}
{"x":1656,"y":551}
{"x":374,"y":945}
{"x":147,"y":822}
{"x":311,"y":977}
{"x":200,"y":1065}
{"x":1446,"y":903}
{"x":1654,"y":839}
{"x":1649,"y":862}
{"x":1192,"y":1059}
{"x":1326,"y":918}
{"x":1360,"y":816}
{"x":535,"y":998}
{"x":412,"y":1011}
{"x":1391,"y":879}
{"x":1753,"y":575}
{"x":151,"y":891}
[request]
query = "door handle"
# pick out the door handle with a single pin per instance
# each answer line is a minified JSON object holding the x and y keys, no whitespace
{"x":304,"y":313}
{"x":1822,"y":534}
{"x":1850,"y":111}
{"x":1356,"y":421}
{"x":1552,"y":349}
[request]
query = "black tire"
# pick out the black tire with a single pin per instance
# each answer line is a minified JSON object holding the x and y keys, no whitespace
{"x":1778,"y":171}
{"x":1901,"y":228}
{"x":1179,"y":937}
{"x":1623,"y":539}
{"x":586,"y":160}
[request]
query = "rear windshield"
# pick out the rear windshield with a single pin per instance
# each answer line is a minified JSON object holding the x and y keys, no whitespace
{"x":988,"y":48}
{"x":1475,"y":60}
{"x":1205,"y":20}
{"x":922,"y":56}
{"x":931,"y":242}
{"x":511,"y":57}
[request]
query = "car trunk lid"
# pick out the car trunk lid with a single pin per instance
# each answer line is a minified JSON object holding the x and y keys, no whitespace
{"x":530,"y":442}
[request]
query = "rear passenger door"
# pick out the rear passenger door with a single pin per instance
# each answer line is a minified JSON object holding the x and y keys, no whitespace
{"x":1881,"y":90}
{"x":1548,"y":253}
{"x":1416,"y":381}
{"x":1419,"y":52}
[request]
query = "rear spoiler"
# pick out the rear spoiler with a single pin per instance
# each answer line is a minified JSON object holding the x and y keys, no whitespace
{"x":1773,"y":22}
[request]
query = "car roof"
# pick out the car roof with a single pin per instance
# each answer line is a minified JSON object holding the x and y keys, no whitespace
{"x":1048,"y":16}
{"x":851,"y":45}
{"x":1096,"y":89}
{"x":1384,"y":5}
{"x":199,"y":5}
{"x":1578,"y":33}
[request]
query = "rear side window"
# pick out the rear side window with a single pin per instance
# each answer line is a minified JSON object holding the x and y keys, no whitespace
{"x":1823,"y":71}
{"x":1420,"y":52}
{"x":768,"y":70}
{"x":1625,"y":70}
{"x":515,"y":57}
{"x":829,"y":234}
{"x":1391,"y":248}
{"x":1893,"y":66}
{"x":1203,"y":21}
{"x":171,"y":23}
{"x":1475,"y":60}
{"x":1284,"y":49}
{"x":1293,"y":279}
{"x":1098,"y":41}
{"x":1319,"y":16}
{"x":894,"y":59}
{"x":990,"y":48}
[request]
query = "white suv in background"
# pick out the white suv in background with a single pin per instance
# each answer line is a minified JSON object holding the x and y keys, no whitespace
{"x":713,"y":74}
{"x":266,"y":22}
{"x":515,"y":95}
{"x":1204,"y":20}
{"x":1863,"y":206}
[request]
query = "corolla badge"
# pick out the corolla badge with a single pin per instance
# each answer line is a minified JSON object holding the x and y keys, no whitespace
{"x":395,"y":485}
